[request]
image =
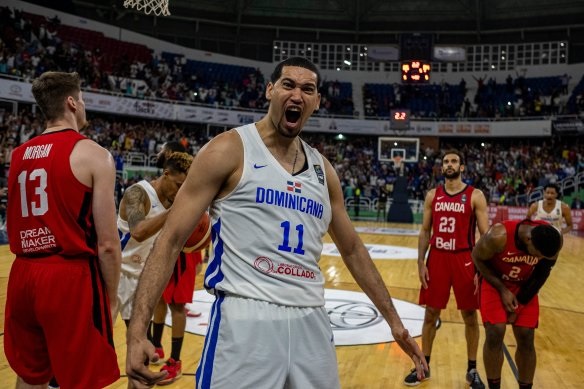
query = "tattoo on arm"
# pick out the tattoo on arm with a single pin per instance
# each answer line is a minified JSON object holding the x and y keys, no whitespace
{"x":134,"y":201}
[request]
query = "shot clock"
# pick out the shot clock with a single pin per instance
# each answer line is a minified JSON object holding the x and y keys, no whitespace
{"x":400,"y":119}
{"x":415,"y":72}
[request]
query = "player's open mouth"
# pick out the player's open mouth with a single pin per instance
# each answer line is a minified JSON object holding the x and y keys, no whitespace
{"x":293,"y":114}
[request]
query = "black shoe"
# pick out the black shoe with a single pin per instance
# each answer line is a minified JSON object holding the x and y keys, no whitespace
{"x":412,"y":378}
{"x":474,"y":380}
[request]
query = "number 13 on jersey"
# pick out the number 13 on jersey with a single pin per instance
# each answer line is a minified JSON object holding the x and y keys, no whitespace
{"x":39,"y":178}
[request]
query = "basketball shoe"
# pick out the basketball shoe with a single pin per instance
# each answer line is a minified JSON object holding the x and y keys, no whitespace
{"x":474,"y":380}
{"x":174,"y":369}
{"x":412,"y":378}
{"x":160,"y":352}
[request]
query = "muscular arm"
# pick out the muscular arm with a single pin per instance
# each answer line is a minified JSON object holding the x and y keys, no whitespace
{"x":210,"y":174}
{"x":567,"y":215}
{"x":94,"y":166}
{"x":134,"y":207}
{"x":424,"y":238}
{"x":359,"y":263}
{"x":490,"y":244}
{"x":480,"y":207}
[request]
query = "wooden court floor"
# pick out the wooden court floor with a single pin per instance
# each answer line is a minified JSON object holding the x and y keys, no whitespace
{"x":559,"y":339}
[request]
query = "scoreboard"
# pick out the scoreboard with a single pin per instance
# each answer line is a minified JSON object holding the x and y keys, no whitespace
{"x":400,"y":119}
{"x":415,"y":72}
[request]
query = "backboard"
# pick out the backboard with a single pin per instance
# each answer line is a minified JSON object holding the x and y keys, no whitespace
{"x":407,"y":148}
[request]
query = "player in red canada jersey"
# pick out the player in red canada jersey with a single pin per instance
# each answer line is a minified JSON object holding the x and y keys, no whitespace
{"x":515,"y":258}
{"x":62,"y":227}
{"x":452,"y":212}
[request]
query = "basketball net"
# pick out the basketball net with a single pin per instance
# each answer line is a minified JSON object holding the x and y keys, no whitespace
{"x":156,"y":7}
{"x":397,"y":165}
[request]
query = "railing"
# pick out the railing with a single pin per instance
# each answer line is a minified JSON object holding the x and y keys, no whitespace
{"x":370,"y":204}
{"x":575,"y":183}
{"x":316,"y":114}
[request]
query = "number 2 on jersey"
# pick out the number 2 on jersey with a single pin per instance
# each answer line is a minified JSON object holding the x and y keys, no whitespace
{"x":285,"y":246}
{"x":40,"y":207}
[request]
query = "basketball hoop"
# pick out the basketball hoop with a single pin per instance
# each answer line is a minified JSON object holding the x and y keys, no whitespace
{"x":397,"y":161}
{"x":156,"y":7}
{"x":398,"y":165}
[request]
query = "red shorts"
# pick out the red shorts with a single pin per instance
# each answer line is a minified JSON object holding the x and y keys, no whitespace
{"x":492,"y":310}
{"x":447,"y":270}
{"x":58,"y":323}
{"x":181,"y":285}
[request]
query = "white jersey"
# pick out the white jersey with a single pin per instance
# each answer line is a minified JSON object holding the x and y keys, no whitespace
{"x":267,"y":233}
{"x":554,"y":217}
{"x":134,"y":253}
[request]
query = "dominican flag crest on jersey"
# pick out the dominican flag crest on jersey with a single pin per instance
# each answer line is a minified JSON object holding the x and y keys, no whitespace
{"x":295,"y":187}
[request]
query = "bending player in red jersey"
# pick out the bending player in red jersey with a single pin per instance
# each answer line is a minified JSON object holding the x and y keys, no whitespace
{"x":515,"y":259}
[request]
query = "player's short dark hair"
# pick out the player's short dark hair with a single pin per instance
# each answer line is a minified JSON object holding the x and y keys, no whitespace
{"x":556,"y":187}
{"x":455,"y":152}
{"x":51,"y":90}
{"x":295,"y":61}
{"x":547,"y":239}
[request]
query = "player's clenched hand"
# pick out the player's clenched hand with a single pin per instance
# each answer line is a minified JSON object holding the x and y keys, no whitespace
{"x":509,"y":300}
{"x":139,"y":376}
{"x":410,"y":347}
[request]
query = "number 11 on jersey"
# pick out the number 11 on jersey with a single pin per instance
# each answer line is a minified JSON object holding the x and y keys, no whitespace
{"x":285,"y":246}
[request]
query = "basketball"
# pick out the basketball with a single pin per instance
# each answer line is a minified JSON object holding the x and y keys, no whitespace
{"x":201,"y":235}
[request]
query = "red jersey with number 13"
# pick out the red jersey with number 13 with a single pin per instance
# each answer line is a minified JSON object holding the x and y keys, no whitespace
{"x":453,"y":220}
{"x":49,"y":210}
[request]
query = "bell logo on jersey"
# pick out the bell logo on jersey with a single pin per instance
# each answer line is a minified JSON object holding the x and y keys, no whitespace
{"x":444,"y":244}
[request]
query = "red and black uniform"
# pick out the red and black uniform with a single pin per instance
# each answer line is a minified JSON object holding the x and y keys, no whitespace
{"x":181,"y":285}
{"x":514,"y":266}
{"x":449,"y":260}
{"x":58,"y":319}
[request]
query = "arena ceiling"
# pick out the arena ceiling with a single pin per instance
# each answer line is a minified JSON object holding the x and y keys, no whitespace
{"x":244,"y":25}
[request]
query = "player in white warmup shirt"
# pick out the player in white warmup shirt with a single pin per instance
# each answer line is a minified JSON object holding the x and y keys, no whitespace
{"x":272,"y":199}
{"x":551,"y":209}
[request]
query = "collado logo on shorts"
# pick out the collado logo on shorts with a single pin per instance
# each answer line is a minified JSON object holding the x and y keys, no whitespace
{"x":266,"y":265}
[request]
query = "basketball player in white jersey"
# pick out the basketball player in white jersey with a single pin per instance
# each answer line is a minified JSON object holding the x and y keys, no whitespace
{"x":551,"y":209}
{"x":272,"y":199}
{"x":143,"y":211}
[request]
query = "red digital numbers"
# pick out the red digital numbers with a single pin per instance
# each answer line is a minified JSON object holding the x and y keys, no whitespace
{"x":400,"y":115}
{"x":415,"y":72}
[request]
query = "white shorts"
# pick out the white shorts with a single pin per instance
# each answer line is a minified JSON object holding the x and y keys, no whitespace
{"x":256,"y":344}
{"x":126,"y":291}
